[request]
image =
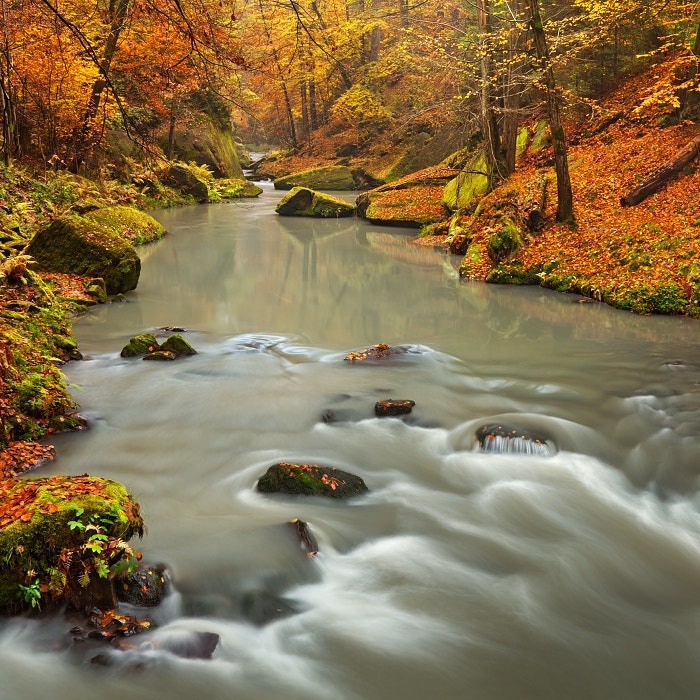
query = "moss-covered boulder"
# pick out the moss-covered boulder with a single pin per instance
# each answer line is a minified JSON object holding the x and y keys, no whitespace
{"x":331,"y":177}
{"x":236,"y":188}
{"x":132,"y":225}
{"x":60,"y":537}
{"x":177,"y":345}
{"x":302,"y":201}
{"x":140,"y":345}
{"x":469,"y":184}
{"x":77,"y":245}
{"x":310,"y":480}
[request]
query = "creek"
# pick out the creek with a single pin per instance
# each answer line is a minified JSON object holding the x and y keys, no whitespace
{"x":462,"y":574}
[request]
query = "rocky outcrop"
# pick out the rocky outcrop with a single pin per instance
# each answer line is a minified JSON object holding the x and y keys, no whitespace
{"x":310,"y":480}
{"x":188,"y":183}
{"x":330,"y":177}
{"x":77,"y":245}
{"x":302,"y":201}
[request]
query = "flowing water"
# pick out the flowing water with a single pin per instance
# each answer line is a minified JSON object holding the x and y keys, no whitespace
{"x":571,"y":572}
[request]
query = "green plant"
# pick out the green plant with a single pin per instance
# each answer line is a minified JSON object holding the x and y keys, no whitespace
{"x":101,"y":552}
{"x":31,"y":594}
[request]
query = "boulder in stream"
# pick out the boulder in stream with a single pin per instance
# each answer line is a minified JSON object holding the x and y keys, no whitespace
{"x":310,"y":480}
{"x":145,"y":587}
{"x":302,"y":201}
{"x":139,"y":345}
{"x":393,"y":407}
{"x":177,"y":345}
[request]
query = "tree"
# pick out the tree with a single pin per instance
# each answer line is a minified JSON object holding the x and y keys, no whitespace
{"x":565,"y":203}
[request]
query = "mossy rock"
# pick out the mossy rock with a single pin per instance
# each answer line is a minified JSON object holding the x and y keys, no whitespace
{"x":331,"y":177}
{"x":505,"y":241}
{"x":177,"y":345}
{"x":302,"y":201}
{"x":160,"y":356}
{"x":36,"y":529}
{"x":76,"y":245}
{"x":468,"y":185}
{"x":236,"y":188}
{"x":132,"y":225}
{"x":140,"y":345}
{"x":310,"y":480}
{"x":188,"y":183}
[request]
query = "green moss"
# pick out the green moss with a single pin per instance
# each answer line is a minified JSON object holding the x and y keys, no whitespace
{"x":513,"y":273}
{"x":78,"y":245}
{"x":471,"y":260}
{"x":505,"y":241}
{"x":332,"y":177}
{"x":468,"y":185}
{"x":302,"y":201}
{"x":177,"y":345}
{"x":132,"y":225}
{"x":139,"y":345}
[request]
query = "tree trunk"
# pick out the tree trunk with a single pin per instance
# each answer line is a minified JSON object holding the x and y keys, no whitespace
{"x":10,"y":140}
{"x":663,"y":174}
{"x":489,"y":122}
{"x":565,"y":205}
{"x":511,"y":92}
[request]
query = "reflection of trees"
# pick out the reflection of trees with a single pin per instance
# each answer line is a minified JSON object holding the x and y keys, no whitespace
{"x":343,"y":282}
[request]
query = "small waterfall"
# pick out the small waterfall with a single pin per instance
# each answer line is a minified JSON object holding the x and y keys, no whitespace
{"x":510,"y":440}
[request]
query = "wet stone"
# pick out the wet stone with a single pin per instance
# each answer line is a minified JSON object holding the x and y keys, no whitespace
{"x":495,"y":437}
{"x":310,"y":480}
{"x":393,"y":407}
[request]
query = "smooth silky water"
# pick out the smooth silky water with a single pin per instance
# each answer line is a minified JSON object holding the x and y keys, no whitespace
{"x":462,"y":574}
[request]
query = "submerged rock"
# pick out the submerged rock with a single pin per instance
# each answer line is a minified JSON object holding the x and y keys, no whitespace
{"x":306,"y":540}
{"x":494,"y":437}
{"x":302,"y":201}
{"x":77,"y":245}
{"x":310,"y":480}
{"x":376,"y":352}
{"x":261,"y":607}
{"x":392,"y":407}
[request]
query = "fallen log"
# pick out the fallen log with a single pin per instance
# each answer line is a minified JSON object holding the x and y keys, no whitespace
{"x":663,"y":174}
